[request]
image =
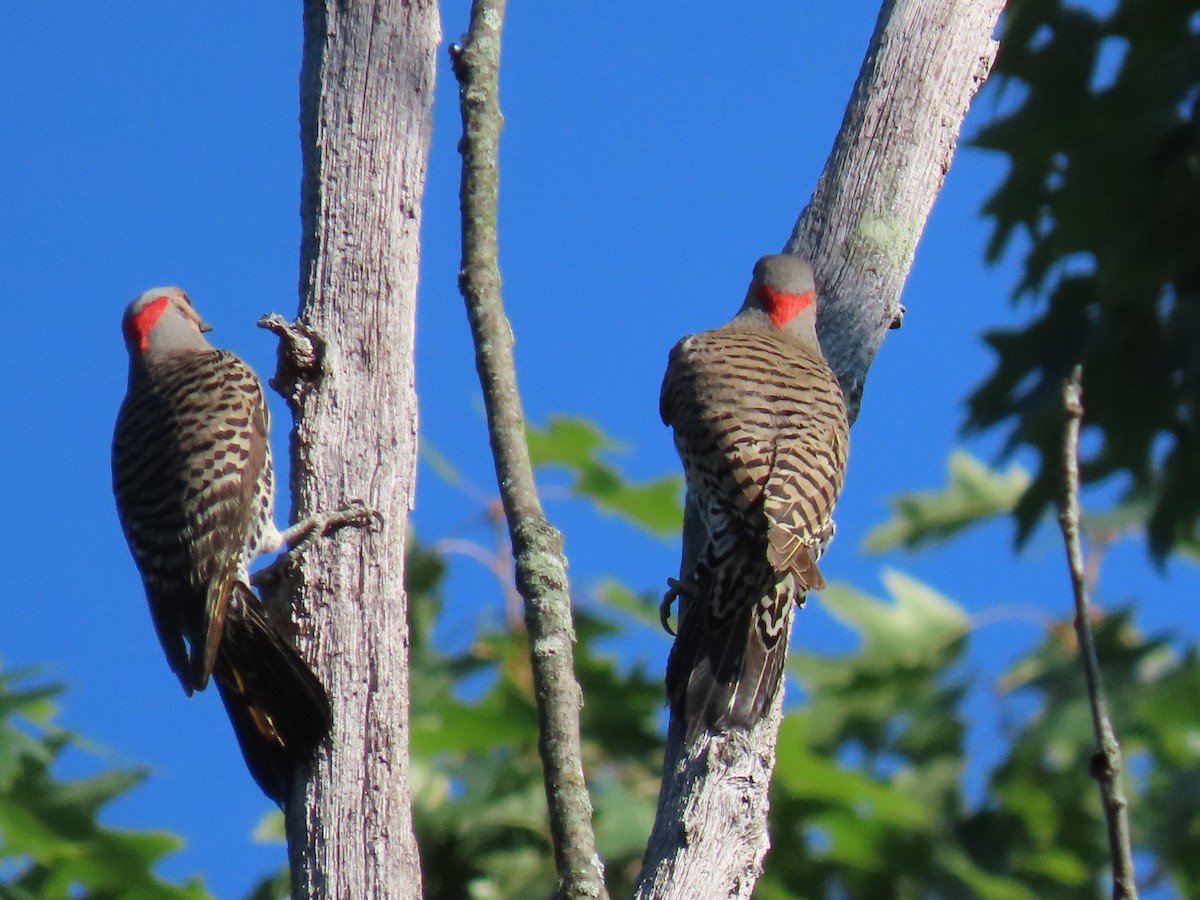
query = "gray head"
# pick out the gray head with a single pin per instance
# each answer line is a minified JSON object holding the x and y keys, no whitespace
{"x":784,"y":290}
{"x":162,"y":321}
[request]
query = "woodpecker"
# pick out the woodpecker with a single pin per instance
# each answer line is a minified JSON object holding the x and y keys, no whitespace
{"x":194,"y":486}
{"x":760,"y":426}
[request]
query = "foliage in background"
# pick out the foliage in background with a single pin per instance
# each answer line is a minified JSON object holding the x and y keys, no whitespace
{"x":974,"y":493}
{"x":52,"y":845}
{"x":1104,"y":186}
{"x":578,"y":446}
{"x":479,"y":804}
{"x":869,"y":796}
{"x":891,"y":717}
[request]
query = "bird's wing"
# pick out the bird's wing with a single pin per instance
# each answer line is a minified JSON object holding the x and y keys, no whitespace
{"x":224,"y":508}
{"x":799,"y":498}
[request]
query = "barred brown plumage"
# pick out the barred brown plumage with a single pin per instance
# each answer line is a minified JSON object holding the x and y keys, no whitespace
{"x":761,"y":428}
{"x":194,"y":485}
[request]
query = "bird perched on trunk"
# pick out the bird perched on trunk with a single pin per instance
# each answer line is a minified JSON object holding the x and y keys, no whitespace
{"x":761,"y":428}
{"x":194,"y":485}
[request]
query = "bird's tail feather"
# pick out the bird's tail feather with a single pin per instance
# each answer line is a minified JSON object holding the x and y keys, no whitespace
{"x":725,"y":670}
{"x":279,"y":709}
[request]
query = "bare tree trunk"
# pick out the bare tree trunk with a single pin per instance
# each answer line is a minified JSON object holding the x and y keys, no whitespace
{"x":926,"y":60}
{"x":366,"y":95}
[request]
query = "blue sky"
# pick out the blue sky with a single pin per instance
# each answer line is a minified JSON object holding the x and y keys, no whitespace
{"x":651,"y":154}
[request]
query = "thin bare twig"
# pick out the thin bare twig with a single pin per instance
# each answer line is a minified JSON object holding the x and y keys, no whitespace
{"x":500,"y":563}
{"x":1106,"y":761}
{"x":537,"y":546}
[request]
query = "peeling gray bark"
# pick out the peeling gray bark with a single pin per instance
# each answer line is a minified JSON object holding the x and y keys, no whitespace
{"x":926,"y":61}
{"x":710,"y":830}
{"x":366,"y":114}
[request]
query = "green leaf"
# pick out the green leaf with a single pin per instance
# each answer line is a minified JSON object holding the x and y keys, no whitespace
{"x":981,"y":883}
{"x":458,"y":728}
{"x":974,"y":494}
{"x":1102,"y":188}
{"x":52,"y":844}
{"x":642,"y":607}
{"x":577,"y":446}
{"x":916,"y":628}
{"x":271,"y":829}
{"x":816,"y":777}
{"x":623,"y":817}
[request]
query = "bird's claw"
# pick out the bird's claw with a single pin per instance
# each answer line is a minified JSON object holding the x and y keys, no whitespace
{"x":675,"y":589}
{"x":356,"y":515}
{"x":299,"y":537}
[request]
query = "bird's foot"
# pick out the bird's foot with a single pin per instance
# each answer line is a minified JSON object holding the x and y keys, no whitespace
{"x":299,"y":537}
{"x":675,"y":590}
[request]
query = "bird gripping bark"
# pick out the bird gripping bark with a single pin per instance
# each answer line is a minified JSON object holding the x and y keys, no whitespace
{"x":194,"y":485}
{"x":761,"y":429}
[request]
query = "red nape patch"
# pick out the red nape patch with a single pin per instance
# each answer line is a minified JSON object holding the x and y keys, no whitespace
{"x":137,"y":327}
{"x":782,"y":307}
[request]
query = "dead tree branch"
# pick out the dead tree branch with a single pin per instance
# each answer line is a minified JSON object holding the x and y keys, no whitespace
{"x":1106,"y":764}
{"x":537,"y":546}
{"x":926,"y":60}
{"x":366,"y":94}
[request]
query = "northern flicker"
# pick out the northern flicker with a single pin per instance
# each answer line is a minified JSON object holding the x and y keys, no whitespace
{"x":761,"y":428}
{"x":194,"y":486}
